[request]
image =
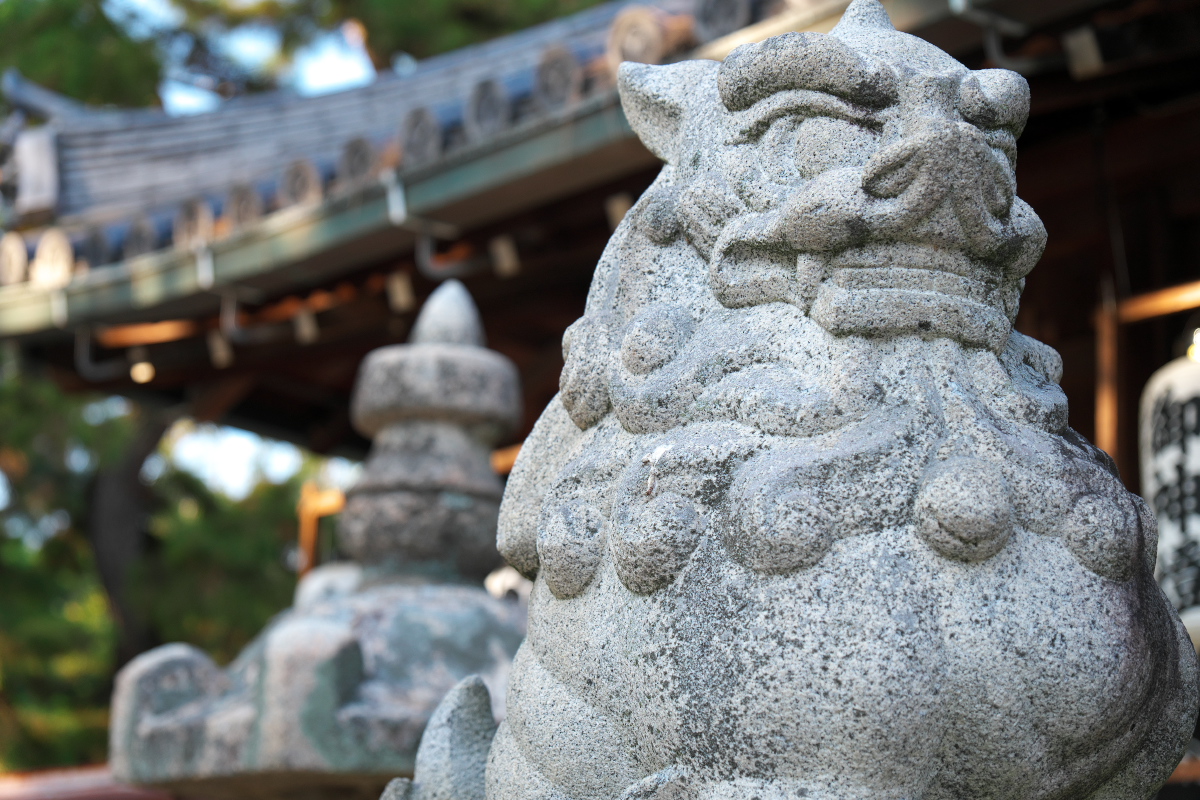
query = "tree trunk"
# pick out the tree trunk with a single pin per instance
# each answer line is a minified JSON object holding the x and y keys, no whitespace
{"x":116,"y":525}
{"x":120,"y":503}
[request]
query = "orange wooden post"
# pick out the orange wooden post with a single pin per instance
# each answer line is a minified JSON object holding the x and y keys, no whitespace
{"x":314,"y":504}
{"x":1110,"y":316}
{"x":1188,"y":771}
{"x":504,"y":458}
{"x":1107,"y":323}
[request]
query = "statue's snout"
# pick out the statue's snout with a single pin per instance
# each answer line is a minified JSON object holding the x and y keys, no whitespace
{"x":948,"y":164}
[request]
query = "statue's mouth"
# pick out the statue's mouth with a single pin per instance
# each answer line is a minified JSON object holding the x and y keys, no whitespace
{"x":896,"y":289}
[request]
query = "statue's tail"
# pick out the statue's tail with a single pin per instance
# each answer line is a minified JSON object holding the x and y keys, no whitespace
{"x":452,"y":758}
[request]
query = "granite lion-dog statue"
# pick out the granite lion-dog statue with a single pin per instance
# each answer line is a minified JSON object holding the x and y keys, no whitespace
{"x":806,"y":519}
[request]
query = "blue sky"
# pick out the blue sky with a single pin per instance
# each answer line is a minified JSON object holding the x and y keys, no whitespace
{"x":332,"y":62}
{"x":232,"y":460}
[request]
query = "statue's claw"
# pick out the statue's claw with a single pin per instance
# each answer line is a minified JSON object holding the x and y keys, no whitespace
{"x":452,"y":758}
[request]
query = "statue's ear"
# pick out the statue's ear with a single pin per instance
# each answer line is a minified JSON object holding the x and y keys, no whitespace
{"x":656,"y":99}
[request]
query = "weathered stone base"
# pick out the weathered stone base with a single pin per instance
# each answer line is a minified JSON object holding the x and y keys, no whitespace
{"x":342,"y":685}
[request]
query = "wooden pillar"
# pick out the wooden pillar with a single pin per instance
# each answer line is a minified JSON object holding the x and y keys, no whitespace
{"x":1107,"y":366}
{"x":1109,"y":318}
{"x":314,"y":504}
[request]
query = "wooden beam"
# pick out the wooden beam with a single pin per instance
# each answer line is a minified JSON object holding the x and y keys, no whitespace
{"x":117,"y":337}
{"x":820,"y":15}
{"x":121,"y":336}
{"x":218,"y":398}
{"x":1160,"y":303}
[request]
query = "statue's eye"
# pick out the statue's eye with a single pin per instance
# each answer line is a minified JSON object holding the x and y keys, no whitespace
{"x":805,"y":146}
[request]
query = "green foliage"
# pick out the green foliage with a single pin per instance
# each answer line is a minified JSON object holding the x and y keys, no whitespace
{"x":77,"y":48}
{"x":436,"y":26}
{"x":422,"y":28}
{"x":217,"y":574}
{"x":50,"y":447}
{"x":57,"y":639}
{"x":213,"y":576}
{"x":57,"y":645}
{"x":74,"y":47}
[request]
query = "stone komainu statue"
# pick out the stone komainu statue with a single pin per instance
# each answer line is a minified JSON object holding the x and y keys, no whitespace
{"x":806,"y":519}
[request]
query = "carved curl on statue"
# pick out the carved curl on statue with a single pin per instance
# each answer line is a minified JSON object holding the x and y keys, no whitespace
{"x":807,"y":519}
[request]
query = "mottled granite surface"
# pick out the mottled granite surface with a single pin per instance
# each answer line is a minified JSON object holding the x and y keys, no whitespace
{"x":806,"y":519}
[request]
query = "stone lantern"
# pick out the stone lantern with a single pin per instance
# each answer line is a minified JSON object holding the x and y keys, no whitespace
{"x":332,"y":697}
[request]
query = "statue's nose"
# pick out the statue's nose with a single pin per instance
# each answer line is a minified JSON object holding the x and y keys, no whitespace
{"x":945,"y":162}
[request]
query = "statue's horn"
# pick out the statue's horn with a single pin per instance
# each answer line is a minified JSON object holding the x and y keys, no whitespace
{"x":865,"y":14}
{"x":654,"y":99}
